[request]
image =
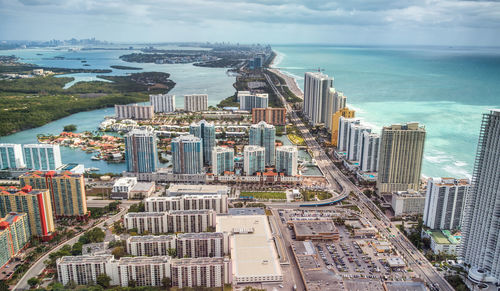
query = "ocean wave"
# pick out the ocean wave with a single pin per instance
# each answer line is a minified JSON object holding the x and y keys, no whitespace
{"x":457,"y":172}
{"x":278,"y":59}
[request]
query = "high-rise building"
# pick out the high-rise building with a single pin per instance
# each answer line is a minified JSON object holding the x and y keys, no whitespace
{"x":250,"y":101}
{"x":44,"y":157}
{"x":11,"y":156}
{"x":355,"y":138}
{"x":222,"y":160}
{"x":287,"y":160}
{"x":144,"y":271}
{"x":205,"y":131}
{"x":217,"y":203}
{"x":196,"y":102}
{"x":408,"y":203}
{"x":336,"y":101}
{"x":481,"y":222}
{"x":150,"y":245}
{"x":196,"y":245}
{"x":14,"y":234}
{"x":134,"y":111}
{"x":170,"y":221}
{"x":162,"y":102}
{"x":203,"y":272}
{"x":254,"y":159}
{"x":141,"y":152}
{"x":187,"y":155}
{"x":316,"y":90}
{"x":344,"y":132}
{"x":35,"y":203}
{"x":67,"y":191}
{"x":274,"y":116}
{"x":444,"y":202}
{"x":370,"y":147}
{"x":264,"y":135}
{"x":344,"y":112}
{"x":400,"y":158}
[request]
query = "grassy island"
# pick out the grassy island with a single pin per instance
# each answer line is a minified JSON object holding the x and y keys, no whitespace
{"x":32,"y":102}
{"x":118,"y":67}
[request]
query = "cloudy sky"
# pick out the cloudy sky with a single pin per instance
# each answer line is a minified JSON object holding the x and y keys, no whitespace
{"x":446,"y":22}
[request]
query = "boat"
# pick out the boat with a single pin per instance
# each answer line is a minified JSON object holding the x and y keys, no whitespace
{"x":95,"y":158}
{"x":93,"y":169}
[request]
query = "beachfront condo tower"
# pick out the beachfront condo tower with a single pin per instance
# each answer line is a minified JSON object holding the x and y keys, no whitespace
{"x":344,"y":132}
{"x":344,"y":112}
{"x":287,"y":160}
{"x":316,"y":91}
{"x":67,"y":191}
{"x":400,"y":159}
{"x":205,"y":131}
{"x":44,"y":157}
{"x":481,"y":223}
{"x":264,"y":135}
{"x":254,"y":159}
{"x":14,"y":235}
{"x":196,"y":102}
{"x":222,"y":160}
{"x":11,"y":156}
{"x":141,"y":152}
{"x":445,"y":202}
{"x":335,"y":101}
{"x":370,"y":148}
{"x":164,"y":103}
{"x":187,"y":155}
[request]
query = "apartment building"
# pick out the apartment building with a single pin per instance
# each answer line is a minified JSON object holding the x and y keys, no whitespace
{"x":134,"y":111}
{"x":14,"y":235}
{"x":67,"y":191}
{"x":163,"y":103}
{"x":202,"y":272}
{"x":151,"y":245}
{"x":270,"y":115}
{"x":171,"y":221}
{"x":196,"y":102}
{"x":204,"y":244}
{"x":35,"y":203}
{"x":218,"y":203}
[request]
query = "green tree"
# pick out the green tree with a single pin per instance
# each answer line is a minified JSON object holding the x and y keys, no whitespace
{"x":165,"y":282}
{"x":172,"y":252}
{"x":71,"y":285}
{"x":139,"y":207}
{"x":119,"y":252}
{"x":69,"y":128}
{"x":33,"y":281}
{"x":132,"y":283}
{"x":103,"y":280}
{"x":4,"y":286}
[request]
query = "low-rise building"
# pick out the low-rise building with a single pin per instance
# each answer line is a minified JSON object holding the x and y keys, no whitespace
{"x":122,"y":187}
{"x":443,"y":241}
{"x":196,"y":245}
{"x":315,"y":230}
{"x":408,"y":202}
{"x":250,"y":242}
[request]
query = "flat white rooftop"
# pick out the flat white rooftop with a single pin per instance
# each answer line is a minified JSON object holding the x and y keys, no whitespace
{"x":253,"y":254}
{"x":184,"y":189}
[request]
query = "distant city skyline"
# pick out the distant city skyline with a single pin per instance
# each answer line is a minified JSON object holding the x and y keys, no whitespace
{"x":381,"y":22}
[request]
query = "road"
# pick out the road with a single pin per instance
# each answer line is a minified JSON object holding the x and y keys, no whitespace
{"x":38,"y":266}
{"x":334,"y":176}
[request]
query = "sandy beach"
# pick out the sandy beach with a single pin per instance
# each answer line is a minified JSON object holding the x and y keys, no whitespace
{"x":291,"y":82}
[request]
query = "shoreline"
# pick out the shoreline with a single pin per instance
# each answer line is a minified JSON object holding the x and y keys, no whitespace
{"x":291,"y":82}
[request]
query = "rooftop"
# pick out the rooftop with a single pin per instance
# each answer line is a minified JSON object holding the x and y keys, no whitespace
{"x":197,"y":261}
{"x":143,"y":186}
{"x":200,"y":235}
{"x":181,"y":189}
{"x":145,"y":214}
{"x":85,"y":259}
{"x":172,"y":212}
{"x":144,"y":260}
{"x":252,"y":253}
{"x":247,"y":211}
{"x":150,"y":238}
{"x":313,"y":227}
{"x":406,"y":286}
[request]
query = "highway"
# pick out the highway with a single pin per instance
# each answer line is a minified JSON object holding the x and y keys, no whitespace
{"x":334,"y":176}
{"x":39,"y":265}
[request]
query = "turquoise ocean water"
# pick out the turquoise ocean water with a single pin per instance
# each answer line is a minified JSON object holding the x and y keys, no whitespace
{"x":446,"y":89}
